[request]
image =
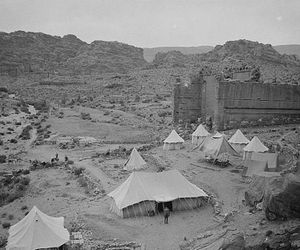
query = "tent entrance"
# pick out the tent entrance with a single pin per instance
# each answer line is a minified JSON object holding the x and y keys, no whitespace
{"x":161,"y":205}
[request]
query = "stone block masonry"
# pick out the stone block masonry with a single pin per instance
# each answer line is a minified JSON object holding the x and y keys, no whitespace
{"x":238,"y":103}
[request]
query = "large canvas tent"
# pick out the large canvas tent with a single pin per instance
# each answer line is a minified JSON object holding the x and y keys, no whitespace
{"x":238,"y":141}
{"x":135,"y":161}
{"x":255,"y":145}
{"x":199,"y":135}
{"x":143,"y":192}
{"x":253,"y":167}
{"x":270,"y":158}
{"x":37,"y":230}
{"x":173,"y":141}
{"x":214,"y":147}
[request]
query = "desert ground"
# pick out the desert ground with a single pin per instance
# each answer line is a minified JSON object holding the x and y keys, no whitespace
{"x":116,"y":126}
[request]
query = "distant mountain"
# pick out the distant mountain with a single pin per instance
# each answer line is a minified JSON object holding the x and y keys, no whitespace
{"x":238,"y":54}
{"x":291,"y":49}
{"x":149,"y":53}
{"x":37,"y":52}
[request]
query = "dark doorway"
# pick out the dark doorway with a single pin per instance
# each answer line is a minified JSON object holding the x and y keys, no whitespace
{"x":161,"y":205}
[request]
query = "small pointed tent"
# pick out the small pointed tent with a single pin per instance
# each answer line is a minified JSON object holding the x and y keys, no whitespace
{"x":199,"y":135}
{"x":143,"y":192}
{"x":255,"y":145}
{"x":238,"y":141}
{"x":37,"y":230}
{"x":217,"y":146}
{"x":173,"y":141}
{"x":135,"y":161}
{"x":218,"y":135}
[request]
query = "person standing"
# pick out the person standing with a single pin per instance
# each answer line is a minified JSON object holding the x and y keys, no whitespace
{"x":166,"y":215}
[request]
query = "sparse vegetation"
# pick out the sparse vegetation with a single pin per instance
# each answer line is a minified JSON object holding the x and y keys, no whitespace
{"x":2,"y":158}
{"x":6,"y":225}
{"x":78,"y":171}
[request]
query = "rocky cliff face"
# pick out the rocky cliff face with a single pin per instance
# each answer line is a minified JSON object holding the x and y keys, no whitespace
{"x":37,"y":52}
{"x":100,"y":56}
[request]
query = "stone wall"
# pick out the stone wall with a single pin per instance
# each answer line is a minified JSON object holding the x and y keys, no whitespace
{"x":234,"y":104}
{"x":252,"y":103}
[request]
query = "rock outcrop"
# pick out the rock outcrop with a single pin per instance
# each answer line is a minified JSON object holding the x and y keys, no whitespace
{"x":29,"y":52}
{"x":282,"y":197}
{"x":236,"y":55}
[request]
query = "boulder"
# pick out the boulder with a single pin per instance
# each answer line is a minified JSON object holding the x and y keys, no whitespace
{"x":282,"y":198}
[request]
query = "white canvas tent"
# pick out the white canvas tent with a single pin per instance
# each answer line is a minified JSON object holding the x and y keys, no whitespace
{"x":135,"y":161}
{"x":238,"y":141}
{"x":143,"y":192}
{"x":217,"y":135}
{"x":199,"y":135}
{"x":214,"y":147}
{"x":37,"y":230}
{"x":255,"y":145}
{"x":173,"y":141}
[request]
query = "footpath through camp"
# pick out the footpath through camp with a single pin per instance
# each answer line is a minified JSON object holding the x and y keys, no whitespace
{"x":106,"y":185}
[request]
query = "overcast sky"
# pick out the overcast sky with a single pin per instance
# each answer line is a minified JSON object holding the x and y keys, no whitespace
{"x":151,"y":23}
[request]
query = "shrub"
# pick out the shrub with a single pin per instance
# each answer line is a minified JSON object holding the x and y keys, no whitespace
{"x":11,"y":217}
{"x":3,"y":242}
{"x":13,"y":140}
{"x":24,"y":207}
{"x":3,"y":89}
{"x":3,"y":215}
{"x":2,"y":158}
{"x":78,"y":171}
{"x":25,"y":171}
{"x":6,"y":225}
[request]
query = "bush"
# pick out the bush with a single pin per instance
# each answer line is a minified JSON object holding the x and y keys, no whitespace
{"x":78,"y":171}
{"x":24,"y":207}
{"x":13,"y":140}
{"x":6,"y":225}
{"x":3,"y":89}
{"x":25,"y":171}
{"x":2,"y":158}
{"x":11,"y":217}
{"x":3,"y":242}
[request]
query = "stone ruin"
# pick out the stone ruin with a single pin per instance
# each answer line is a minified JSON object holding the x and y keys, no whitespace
{"x":240,"y":100}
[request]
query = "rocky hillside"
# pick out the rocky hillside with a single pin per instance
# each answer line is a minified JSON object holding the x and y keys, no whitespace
{"x":239,"y":54}
{"x":37,"y":52}
{"x":149,"y":53}
{"x":291,"y":49}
